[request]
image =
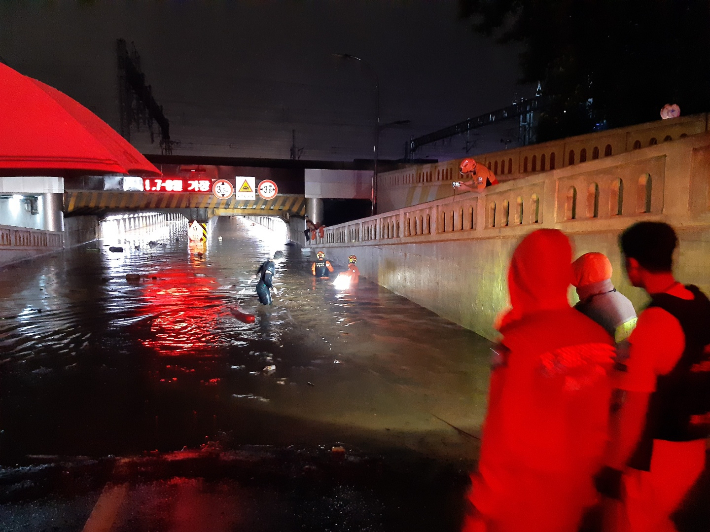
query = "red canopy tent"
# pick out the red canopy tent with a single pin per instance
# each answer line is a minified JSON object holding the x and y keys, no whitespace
{"x":43,"y":129}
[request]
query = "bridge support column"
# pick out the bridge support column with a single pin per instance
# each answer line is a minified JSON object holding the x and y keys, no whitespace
{"x":52,"y":207}
{"x":296,"y":226}
{"x":314,"y":209}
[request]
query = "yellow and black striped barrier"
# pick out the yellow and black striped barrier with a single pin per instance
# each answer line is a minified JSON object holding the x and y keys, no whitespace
{"x":91,"y":201}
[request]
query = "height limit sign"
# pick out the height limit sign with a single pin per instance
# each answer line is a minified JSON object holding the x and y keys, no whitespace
{"x":268,"y":189}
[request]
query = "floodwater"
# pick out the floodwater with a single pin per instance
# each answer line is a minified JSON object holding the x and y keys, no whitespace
{"x":131,"y":397}
{"x":128,"y":383}
{"x":96,"y":363}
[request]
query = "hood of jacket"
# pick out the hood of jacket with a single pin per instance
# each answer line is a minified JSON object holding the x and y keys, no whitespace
{"x":540,"y":273}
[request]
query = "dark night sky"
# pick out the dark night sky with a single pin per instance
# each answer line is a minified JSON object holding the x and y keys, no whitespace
{"x":235,"y":78}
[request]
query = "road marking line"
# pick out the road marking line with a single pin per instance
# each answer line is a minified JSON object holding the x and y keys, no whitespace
{"x":104,"y":513}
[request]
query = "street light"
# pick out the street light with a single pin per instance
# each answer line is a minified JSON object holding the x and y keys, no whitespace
{"x":377,"y":123}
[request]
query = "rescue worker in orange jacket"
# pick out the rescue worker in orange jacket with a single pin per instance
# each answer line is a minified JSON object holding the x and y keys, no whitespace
{"x":353,"y":270}
{"x":598,"y":298}
{"x":548,"y":407}
{"x":321,"y":267}
{"x":478,"y":175}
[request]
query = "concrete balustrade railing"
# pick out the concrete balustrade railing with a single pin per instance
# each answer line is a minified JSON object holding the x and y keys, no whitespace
{"x":19,"y":237}
{"x":451,"y":254}
{"x":18,"y":243}
{"x":427,"y":182}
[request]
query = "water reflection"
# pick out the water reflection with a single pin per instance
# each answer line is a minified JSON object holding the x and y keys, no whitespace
{"x":114,"y":353}
{"x":184,"y":314}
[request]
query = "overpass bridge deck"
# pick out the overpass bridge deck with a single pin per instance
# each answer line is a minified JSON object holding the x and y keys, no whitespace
{"x":92,"y":202}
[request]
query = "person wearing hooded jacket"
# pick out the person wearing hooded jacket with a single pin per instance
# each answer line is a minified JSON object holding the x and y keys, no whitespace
{"x":548,"y":405}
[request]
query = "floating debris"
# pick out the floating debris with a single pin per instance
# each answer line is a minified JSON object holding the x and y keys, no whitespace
{"x":251,"y":396}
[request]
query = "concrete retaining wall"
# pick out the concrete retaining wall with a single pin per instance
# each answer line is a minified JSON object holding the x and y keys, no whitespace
{"x":80,"y":229}
{"x":451,"y":255}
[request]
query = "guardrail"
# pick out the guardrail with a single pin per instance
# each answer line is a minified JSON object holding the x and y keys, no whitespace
{"x":601,"y":194}
{"x":24,"y":238}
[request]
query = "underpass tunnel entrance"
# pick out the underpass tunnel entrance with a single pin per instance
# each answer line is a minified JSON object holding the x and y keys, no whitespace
{"x":135,"y":230}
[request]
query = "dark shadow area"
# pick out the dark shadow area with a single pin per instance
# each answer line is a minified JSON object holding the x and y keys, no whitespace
{"x":340,"y":211}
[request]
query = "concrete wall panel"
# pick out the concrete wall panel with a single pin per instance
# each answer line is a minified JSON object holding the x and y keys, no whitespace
{"x":460,"y":272}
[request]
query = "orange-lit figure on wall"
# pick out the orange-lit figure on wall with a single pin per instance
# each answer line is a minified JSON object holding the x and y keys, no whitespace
{"x":476,"y":177}
{"x":548,"y":408}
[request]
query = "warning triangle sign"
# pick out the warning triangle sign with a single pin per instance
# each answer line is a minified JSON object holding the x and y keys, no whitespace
{"x":245,"y":187}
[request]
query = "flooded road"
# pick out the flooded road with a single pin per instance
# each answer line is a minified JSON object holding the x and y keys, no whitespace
{"x":96,"y":361}
{"x":131,"y":397}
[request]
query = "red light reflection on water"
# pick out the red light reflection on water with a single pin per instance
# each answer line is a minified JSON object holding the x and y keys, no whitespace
{"x":185,"y":314}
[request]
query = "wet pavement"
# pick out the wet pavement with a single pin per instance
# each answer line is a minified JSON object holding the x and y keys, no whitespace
{"x":131,"y":395}
{"x":132,"y":399}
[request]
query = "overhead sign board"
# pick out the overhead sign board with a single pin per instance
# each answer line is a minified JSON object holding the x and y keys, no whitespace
{"x":268,"y":189}
{"x":176,"y":184}
{"x":222,"y":189}
{"x":246,"y":188}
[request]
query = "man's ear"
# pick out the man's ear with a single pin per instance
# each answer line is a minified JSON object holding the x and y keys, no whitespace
{"x":632,"y":264}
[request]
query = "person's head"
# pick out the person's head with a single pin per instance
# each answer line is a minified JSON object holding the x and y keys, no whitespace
{"x":589,"y":270}
{"x":648,"y":247}
{"x":467,"y":166}
{"x":320,"y":255}
{"x":352,"y":259}
{"x":279,"y":255}
{"x":540,"y":272}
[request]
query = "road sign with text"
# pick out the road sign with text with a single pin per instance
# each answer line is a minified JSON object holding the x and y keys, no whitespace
{"x":222,"y":189}
{"x":268,"y":189}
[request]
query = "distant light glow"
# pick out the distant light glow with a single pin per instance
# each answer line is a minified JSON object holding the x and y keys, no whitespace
{"x":133,"y":183}
{"x":14,"y":204}
{"x":342,"y":282}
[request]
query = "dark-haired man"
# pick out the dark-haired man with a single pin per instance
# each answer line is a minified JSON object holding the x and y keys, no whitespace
{"x":657,"y":440}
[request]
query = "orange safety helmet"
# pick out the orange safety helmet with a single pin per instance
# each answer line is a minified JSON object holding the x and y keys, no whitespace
{"x":320,"y":255}
{"x":352,"y":259}
{"x":467,"y":165}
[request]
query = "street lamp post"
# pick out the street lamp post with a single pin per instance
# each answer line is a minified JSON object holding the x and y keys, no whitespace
{"x":373,"y":193}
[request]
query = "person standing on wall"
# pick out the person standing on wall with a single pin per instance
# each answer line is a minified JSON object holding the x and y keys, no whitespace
{"x":656,"y":450}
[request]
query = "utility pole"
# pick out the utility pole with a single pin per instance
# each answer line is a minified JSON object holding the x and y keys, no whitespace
{"x":135,"y":99}
{"x":295,"y":152}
